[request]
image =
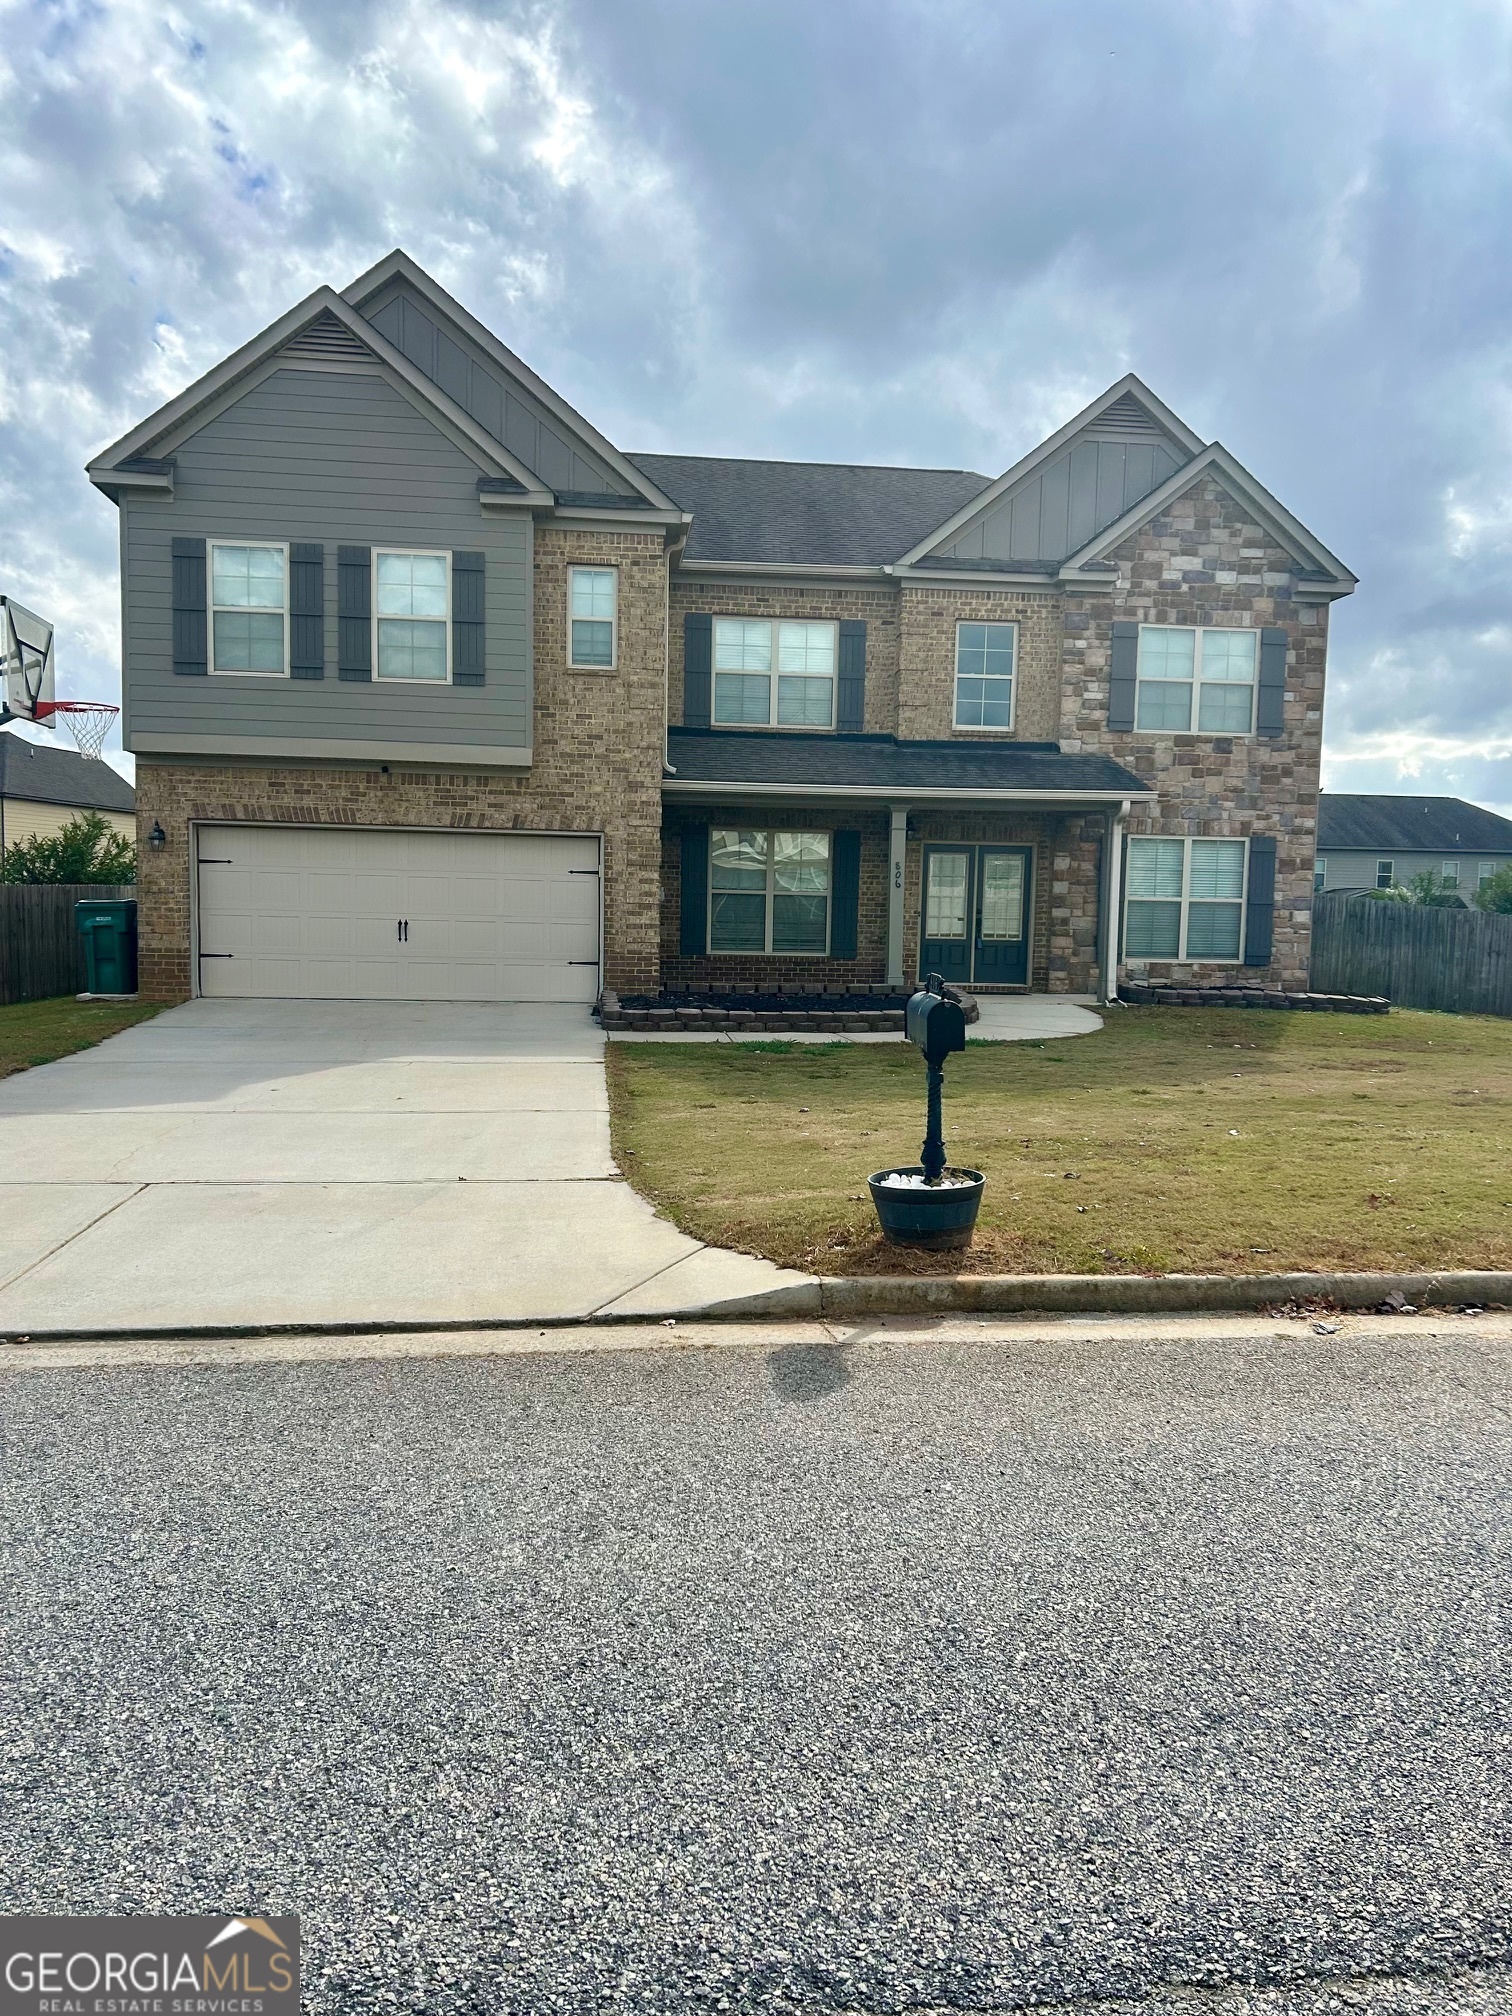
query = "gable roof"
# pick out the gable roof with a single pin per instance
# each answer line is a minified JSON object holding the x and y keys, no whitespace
{"x":833,"y":514}
{"x":46,"y":776}
{"x":313,"y":324}
{"x":1372,"y":821}
{"x":1322,"y":573}
{"x":1116,"y":412}
{"x":398,"y":265}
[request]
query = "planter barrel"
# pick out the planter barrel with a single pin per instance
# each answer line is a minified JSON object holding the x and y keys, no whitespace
{"x":939,"y":1217}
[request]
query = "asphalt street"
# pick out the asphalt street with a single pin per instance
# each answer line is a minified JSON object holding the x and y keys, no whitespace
{"x":874,"y":1676}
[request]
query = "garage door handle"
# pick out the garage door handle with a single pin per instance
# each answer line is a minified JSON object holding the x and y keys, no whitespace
{"x":401,"y":930}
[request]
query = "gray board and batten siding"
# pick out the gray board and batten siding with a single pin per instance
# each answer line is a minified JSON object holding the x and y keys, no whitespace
{"x":499,"y":403}
{"x":330,"y":458}
{"x":1068,"y":500}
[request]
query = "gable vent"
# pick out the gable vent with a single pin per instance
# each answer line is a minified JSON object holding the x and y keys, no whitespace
{"x":1126,"y":420}
{"x":326,"y":341}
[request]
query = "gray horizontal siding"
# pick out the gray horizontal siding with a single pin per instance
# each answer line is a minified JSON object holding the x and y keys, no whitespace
{"x":342,"y":459}
{"x":1355,"y":868}
{"x":1067,"y":502}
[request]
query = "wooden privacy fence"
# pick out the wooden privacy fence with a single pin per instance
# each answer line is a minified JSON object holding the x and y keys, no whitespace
{"x":41,"y":952}
{"x":1458,"y":960}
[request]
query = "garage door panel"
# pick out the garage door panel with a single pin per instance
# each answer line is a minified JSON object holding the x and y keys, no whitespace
{"x":317,"y":913}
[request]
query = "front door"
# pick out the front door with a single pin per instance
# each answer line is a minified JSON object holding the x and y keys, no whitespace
{"x":975,"y":926}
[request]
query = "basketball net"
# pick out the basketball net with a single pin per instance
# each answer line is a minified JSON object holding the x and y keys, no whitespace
{"x":88,"y":721}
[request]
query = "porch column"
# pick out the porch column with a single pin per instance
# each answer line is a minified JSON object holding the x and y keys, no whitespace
{"x":896,"y":876}
{"x":1112,"y":903}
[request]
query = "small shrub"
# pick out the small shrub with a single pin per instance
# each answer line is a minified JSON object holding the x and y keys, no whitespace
{"x":87,"y":850}
{"x":1496,"y":895}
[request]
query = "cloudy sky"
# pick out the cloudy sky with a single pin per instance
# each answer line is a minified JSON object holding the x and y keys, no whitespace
{"x":916,"y":231}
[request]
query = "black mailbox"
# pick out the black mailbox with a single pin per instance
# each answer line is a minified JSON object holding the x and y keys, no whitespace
{"x":935,"y":1021}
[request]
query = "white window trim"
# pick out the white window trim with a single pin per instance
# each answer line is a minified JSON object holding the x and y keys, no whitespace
{"x":1485,"y":871}
{"x":211,"y":606}
{"x":613,"y":665}
{"x":965,"y":727}
{"x":771,"y":726}
{"x":419,"y":553}
{"x":1201,"y":630}
{"x":1181,"y":958}
{"x":1390,"y":867}
{"x":744,"y":952}
{"x":1320,"y":874}
{"x":1449,"y":874}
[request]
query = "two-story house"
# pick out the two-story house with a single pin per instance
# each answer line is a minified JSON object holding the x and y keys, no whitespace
{"x":434,"y":692}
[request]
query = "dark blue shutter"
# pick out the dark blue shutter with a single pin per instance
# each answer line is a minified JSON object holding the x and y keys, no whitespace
{"x":354,"y":612}
{"x":845,"y":894}
{"x":693,"y":933}
{"x":698,"y":669}
{"x":1260,"y":901}
{"x":190,"y":633}
{"x":306,"y":612}
{"x":850,"y":701}
{"x":467,"y":619}
{"x":1123,"y":676}
{"x":1270,"y":710}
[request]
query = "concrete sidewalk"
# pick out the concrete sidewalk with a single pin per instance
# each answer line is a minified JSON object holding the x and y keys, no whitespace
{"x":267,"y":1162}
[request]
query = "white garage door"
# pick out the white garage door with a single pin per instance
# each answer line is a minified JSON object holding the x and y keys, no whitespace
{"x":342,"y":914}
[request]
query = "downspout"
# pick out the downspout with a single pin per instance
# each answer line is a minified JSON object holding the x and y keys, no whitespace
{"x":1107,"y":972}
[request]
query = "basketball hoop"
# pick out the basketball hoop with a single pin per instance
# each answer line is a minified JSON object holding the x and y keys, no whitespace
{"x":88,"y":721}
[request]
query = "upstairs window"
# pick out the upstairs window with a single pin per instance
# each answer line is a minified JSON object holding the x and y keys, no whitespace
{"x":769,"y":892}
{"x":778,"y":675}
{"x":1449,"y":874}
{"x":249,"y":609}
{"x":412,"y":614}
{"x":985,"y":654}
{"x":593,"y":617}
{"x":1201,"y":677}
{"x":1185,"y":899}
{"x":1484,"y":873}
{"x":1385,"y":874}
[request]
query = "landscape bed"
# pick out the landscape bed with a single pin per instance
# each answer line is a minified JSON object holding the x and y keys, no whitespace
{"x":1223,"y":1141}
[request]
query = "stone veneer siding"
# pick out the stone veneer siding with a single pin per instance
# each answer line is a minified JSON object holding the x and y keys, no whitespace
{"x":928,"y":615}
{"x":729,"y":972}
{"x":877,"y":608}
{"x":596,"y":769}
{"x":1204,"y":560}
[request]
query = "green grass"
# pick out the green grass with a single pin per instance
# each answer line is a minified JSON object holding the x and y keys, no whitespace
{"x":35,"y":1032}
{"x":1220,"y":1141}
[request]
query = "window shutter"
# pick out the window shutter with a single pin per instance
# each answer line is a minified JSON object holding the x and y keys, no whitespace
{"x":845,"y":892}
{"x":693,"y":935}
{"x":1270,"y":705}
{"x":1260,"y":902}
{"x":306,"y":612}
{"x":190,"y":637}
{"x":467,"y":619}
{"x":850,"y":701}
{"x":698,"y":670}
{"x":1123,"y":676}
{"x":354,"y":612}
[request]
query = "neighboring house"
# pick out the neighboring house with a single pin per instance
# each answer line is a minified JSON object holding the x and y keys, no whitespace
{"x":436,"y":692}
{"x":42,"y":788}
{"x":1380,"y":841}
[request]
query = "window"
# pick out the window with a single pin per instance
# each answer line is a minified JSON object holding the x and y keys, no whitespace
{"x":1320,"y":875}
{"x":1185,"y":899}
{"x":412,"y":610}
{"x":744,"y":655}
{"x":592,"y":617}
{"x":768,"y":892}
{"x":249,"y":609}
{"x":1484,"y":873}
{"x":1449,"y":874}
{"x":984,"y":675}
{"x":1218,"y":666}
{"x":1385,"y":871}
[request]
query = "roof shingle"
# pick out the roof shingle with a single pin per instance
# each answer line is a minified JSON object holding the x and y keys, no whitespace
{"x":881,"y":763}
{"x":1348,"y":819}
{"x":45,"y":776}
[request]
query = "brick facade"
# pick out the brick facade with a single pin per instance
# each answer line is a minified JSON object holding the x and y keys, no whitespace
{"x":927,"y":652}
{"x":877,"y":608}
{"x":596,"y":769}
{"x":1204,"y":560}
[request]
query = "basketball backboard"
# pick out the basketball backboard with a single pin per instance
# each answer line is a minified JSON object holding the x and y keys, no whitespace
{"x":26,"y":661}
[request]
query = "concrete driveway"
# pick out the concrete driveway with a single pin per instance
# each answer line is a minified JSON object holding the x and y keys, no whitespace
{"x":274,"y":1162}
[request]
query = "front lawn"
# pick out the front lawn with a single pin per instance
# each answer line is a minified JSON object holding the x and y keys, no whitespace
{"x":36,"y":1032}
{"x":1175,"y":1139}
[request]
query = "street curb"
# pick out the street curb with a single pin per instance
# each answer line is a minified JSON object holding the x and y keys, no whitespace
{"x":849,"y":1298}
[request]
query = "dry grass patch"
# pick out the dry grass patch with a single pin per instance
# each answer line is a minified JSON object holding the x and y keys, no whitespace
{"x":37,"y":1032}
{"x":1216,"y":1141}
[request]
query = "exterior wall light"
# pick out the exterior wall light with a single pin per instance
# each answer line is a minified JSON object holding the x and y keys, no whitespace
{"x":157,"y":839}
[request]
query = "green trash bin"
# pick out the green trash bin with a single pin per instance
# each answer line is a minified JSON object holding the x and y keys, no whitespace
{"x":109,"y":931}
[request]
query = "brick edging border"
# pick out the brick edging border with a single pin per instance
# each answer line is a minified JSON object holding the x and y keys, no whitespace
{"x":1138,"y":995}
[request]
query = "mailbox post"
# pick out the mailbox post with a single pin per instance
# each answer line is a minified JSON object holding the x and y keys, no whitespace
{"x":930,"y":1204}
{"x":935,"y":1023}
